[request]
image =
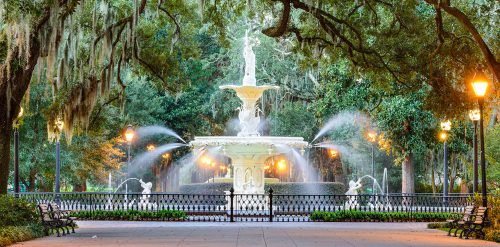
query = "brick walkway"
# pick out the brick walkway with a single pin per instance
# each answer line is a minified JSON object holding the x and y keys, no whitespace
{"x":108,"y":233}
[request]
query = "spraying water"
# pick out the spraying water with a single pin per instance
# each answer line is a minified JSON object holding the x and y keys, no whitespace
{"x":341,"y":119}
{"x":122,"y":183}
{"x":155,"y":130}
{"x":147,"y":158}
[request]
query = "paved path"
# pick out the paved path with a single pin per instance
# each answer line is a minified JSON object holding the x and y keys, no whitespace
{"x":124,"y":234}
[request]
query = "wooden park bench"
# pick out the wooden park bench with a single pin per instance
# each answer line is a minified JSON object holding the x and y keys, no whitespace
{"x":458,"y":224}
{"x":48,"y":221}
{"x":64,"y":217}
{"x":477,"y":225}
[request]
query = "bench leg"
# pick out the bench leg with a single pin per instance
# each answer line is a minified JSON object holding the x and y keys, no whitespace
{"x":449,"y":231}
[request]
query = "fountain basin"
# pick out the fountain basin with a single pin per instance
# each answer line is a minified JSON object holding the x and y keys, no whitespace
{"x":248,"y":154}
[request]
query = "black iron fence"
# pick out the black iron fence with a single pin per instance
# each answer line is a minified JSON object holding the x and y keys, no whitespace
{"x":253,"y":207}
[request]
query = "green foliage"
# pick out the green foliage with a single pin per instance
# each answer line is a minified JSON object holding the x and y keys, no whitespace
{"x":18,"y":221}
{"x":353,"y":215}
{"x":492,"y":144}
{"x":492,"y":232}
{"x":16,"y":212}
{"x":438,"y":225}
{"x":135,"y":215}
{"x":409,"y":127}
{"x":292,"y":120}
{"x":13,"y":234}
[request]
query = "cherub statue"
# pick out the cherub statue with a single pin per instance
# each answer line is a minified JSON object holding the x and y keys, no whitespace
{"x":352,"y":193}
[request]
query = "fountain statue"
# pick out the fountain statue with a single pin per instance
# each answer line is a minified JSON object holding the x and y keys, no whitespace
{"x":352,"y":194}
{"x":248,"y":150}
{"x":146,"y":192}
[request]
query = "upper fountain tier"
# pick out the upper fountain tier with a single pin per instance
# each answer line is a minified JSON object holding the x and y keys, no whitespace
{"x":249,"y":93}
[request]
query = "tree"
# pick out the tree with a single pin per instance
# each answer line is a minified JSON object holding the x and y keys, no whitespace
{"x":409,"y":128}
{"x":80,"y":48}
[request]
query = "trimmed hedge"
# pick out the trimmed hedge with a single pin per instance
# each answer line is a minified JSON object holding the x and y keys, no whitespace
{"x":12,"y":234}
{"x":326,"y":188}
{"x":133,"y":215}
{"x":362,"y":216}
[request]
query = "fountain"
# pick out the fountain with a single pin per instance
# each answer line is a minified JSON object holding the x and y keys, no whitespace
{"x":248,"y":150}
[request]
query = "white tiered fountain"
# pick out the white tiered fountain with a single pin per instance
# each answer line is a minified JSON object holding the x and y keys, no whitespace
{"x":248,"y":151}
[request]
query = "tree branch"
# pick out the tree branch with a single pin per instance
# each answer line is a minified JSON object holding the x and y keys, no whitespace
{"x":282,"y":25}
{"x":493,"y":64}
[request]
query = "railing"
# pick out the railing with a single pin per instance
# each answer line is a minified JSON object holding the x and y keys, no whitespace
{"x":251,"y":207}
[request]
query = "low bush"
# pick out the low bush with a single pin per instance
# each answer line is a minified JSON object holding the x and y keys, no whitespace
{"x":362,"y":216}
{"x":325,"y":188}
{"x":438,"y":225}
{"x":18,"y":220}
{"x":12,"y":234}
{"x":16,"y":211}
{"x":134,"y":215}
{"x":492,"y":232}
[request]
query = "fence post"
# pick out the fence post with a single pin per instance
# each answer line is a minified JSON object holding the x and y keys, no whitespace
{"x":231,"y":206}
{"x":271,"y":204}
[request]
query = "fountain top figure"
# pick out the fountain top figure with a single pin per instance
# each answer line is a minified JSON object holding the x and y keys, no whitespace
{"x":249,"y":93}
{"x":248,"y":151}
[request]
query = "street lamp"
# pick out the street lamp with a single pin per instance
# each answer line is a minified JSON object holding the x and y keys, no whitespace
{"x":475,"y":116}
{"x":59,"y":124}
{"x":480,"y":85}
{"x":129,"y":136}
{"x":372,"y":137}
{"x":16,"y":151}
{"x":445,"y":127}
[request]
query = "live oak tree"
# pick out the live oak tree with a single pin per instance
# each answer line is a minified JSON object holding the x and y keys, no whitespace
{"x":81,"y":47}
{"x":409,"y":42}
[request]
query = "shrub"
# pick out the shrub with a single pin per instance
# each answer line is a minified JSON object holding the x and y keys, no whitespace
{"x":133,"y":215}
{"x":438,"y":225}
{"x":492,"y":232}
{"x":16,"y":211}
{"x":12,"y":234}
{"x":18,"y":221}
{"x":354,"y":215}
{"x":326,"y":188}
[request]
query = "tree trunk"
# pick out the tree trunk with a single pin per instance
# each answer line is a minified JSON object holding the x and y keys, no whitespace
{"x":408,"y":180}
{"x":13,"y":83}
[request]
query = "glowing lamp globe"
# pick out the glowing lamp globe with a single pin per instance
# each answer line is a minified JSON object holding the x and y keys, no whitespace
{"x":129,"y":134}
{"x":282,"y":165}
{"x":446,"y":125}
{"x":372,"y":136}
{"x":480,"y":84}
{"x":443,"y":136}
{"x":474,"y":115}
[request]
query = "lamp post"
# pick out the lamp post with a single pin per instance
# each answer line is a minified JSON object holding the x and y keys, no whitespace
{"x":16,"y":152}
{"x":445,"y":127}
{"x":129,"y":136}
{"x":480,"y":85}
{"x":372,"y":137}
{"x":475,"y":116}
{"x":59,"y":127}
